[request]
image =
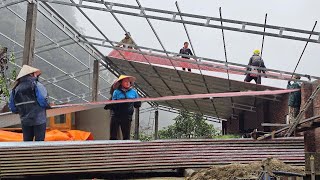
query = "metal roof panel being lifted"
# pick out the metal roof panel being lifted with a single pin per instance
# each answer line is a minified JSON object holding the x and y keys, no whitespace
{"x":162,"y":81}
{"x":204,"y":65}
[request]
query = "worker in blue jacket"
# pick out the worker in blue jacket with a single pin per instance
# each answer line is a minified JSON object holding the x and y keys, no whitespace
{"x":121,"y":114}
{"x":29,"y":98}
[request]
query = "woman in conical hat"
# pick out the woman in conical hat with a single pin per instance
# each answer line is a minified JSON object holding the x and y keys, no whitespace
{"x":29,"y":98}
{"x":117,"y":82}
{"x":121,"y":114}
{"x":26,"y":70}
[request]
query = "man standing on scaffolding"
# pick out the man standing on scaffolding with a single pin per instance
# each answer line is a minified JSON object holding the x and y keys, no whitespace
{"x":185,"y":50}
{"x":256,"y":61}
{"x":127,"y":41}
{"x":294,"y":101}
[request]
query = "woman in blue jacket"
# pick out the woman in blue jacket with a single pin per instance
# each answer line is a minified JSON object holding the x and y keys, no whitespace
{"x":29,"y":98}
{"x":121,"y":114}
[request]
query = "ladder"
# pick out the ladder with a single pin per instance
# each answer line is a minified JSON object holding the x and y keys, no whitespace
{"x":293,"y":126}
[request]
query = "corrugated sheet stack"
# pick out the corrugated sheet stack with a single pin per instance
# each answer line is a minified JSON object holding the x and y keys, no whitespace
{"x":45,"y":158}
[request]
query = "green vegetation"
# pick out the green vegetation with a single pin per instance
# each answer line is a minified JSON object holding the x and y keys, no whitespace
{"x":189,"y":125}
{"x":7,"y":75}
{"x":227,"y":136}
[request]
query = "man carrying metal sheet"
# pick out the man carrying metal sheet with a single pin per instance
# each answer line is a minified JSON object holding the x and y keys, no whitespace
{"x":294,"y":101}
{"x":121,"y":114}
{"x":256,"y":61}
{"x":29,"y":98}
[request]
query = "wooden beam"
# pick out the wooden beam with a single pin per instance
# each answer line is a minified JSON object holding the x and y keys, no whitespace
{"x":156,"y":124}
{"x":29,"y":41}
{"x":95,"y":82}
{"x":274,"y":125}
{"x":136,"y":125}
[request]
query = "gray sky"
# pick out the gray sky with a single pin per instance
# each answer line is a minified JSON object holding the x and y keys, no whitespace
{"x":278,"y":53}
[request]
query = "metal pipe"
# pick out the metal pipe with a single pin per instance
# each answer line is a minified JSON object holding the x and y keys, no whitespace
{"x":264,"y":30}
{"x":315,"y":24}
{"x":11,"y":3}
{"x":225,"y":55}
{"x":185,"y":28}
{"x":204,"y":80}
{"x":195,"y":16}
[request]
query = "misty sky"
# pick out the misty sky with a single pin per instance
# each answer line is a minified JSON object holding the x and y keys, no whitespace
{"x":281,"y":54}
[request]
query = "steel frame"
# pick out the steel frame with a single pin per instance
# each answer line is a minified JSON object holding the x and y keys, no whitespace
{"x":107,"y":39}
{"x":76,"y":37}
{"x":164,"y":49}
{"x":205,"y":19}
{"x":44,"y":61}
{"x":69,"y":30}
{"x":124,"y":29}
{"x":223,"y":65}
{"x":4,"y":4}
{"x":52,"y":41}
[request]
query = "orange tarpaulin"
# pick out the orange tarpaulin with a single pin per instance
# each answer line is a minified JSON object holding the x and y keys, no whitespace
{"x":52,"y":135}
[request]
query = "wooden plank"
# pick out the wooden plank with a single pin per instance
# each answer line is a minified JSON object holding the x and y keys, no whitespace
{"x":273,"y":125}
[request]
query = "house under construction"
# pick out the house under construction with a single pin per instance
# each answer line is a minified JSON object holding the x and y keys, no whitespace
{"x":159,"y":74}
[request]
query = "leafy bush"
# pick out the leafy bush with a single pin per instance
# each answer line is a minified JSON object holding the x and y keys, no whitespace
{"x":188,"y":125}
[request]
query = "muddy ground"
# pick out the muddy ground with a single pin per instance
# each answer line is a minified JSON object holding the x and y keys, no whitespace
{"x":248,"y":171}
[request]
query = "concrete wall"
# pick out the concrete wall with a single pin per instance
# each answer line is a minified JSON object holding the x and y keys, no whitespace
{"x":267,"y":111}
{"x":96,"y":121}
{"x":232,"y":126}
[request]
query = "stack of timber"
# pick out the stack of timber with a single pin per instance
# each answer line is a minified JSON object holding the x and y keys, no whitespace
{"x":48,"y":158}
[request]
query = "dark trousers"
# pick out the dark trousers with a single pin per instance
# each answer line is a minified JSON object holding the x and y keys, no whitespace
{"x":257,"y":79}
{"x":124,"y":123}
{"x":37,"y":132}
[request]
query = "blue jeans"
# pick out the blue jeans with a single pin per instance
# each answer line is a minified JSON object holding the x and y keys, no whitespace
{"x":37,"y":132}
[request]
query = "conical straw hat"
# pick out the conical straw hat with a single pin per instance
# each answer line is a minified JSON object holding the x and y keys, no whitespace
{"x":116,"y":84}
{"x":25,"y":70}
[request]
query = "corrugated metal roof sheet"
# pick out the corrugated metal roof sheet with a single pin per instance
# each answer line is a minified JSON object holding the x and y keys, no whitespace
{"x":163,"y":81}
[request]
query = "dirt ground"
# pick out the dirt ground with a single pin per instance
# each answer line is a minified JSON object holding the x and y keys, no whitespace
{"x":233,"y":171}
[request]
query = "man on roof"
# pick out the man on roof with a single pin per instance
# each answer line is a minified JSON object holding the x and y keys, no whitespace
{"x":255,"y":61}
{"x":127,"y":41}
{"x":29,"y":98}
{"x":185,"y":50}
{"x":121,"y":114}
{"x":294,"y":100}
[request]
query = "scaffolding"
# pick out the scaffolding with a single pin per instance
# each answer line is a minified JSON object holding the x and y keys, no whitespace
{"x":91,"y":44}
